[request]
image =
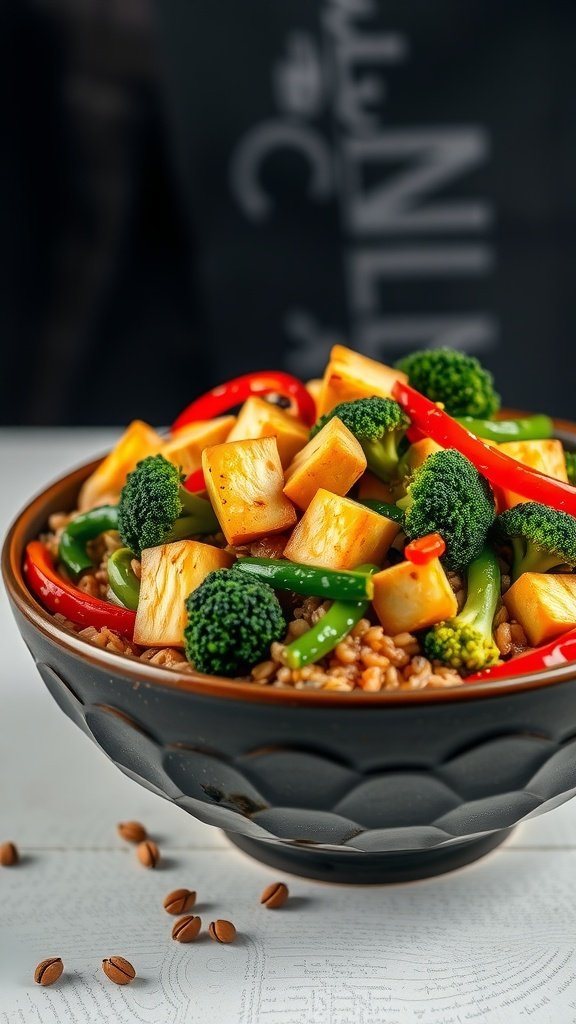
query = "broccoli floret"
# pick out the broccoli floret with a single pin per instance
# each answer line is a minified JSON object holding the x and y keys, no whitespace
{"x":379,"y":424}
{"x":155,"y":508}
{"x":541,"y":537}
{"x":571,"y":466}
{"x":232,"y":621}
{"x":457,"y":380}
{"x":447,"y":495}
{"x":465,"y":642}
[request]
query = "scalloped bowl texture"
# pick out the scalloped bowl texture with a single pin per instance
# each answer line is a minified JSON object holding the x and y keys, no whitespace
{"x":353,"y":787}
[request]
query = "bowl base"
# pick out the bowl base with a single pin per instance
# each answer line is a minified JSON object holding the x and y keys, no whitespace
{"x":358,"y":868}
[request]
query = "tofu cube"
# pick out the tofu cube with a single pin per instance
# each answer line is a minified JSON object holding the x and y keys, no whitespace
{"x":103,"y":486}
{"x":408,"y":597}
{"x":547,"y":456}
{"x":245,"y":482}
{"x":350,"y":375}
{"x":419,"y":452}
{"x":169,"y":573}
{"x":258,"y":418}
{"x":371,"y":488}
{"x":543,"y":603}
{"x":184,"y":448}
{"x":338,"y":533}
{"x":333,"y":459}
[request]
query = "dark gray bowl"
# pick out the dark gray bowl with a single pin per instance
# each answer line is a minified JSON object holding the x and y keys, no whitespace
{"x":353,"y":787}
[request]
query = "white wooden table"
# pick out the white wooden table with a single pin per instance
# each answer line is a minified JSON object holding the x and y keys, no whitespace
{"x":493,"y":942}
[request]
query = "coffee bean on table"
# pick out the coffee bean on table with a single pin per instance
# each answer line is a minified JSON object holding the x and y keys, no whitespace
{"x":186,"y":929}
{"x":148,"y":853}
{"x":8,"y":855}
{"x":48,"y":971}
{"x":274,"y":895}
{"x":179,"y":901}
{"x":118,"y":970}
{"x":222,"y":931}
{"x":132,"y":831}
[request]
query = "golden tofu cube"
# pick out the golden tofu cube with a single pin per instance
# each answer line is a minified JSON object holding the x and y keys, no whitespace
{"x":547,"y":456}
{"x":350,"y":375}
{"x":103,"y":486}
{"x":408,"y":597}
{"x":245,"y":481}
{"x":258,"y":418}
{"x":543,"y":603}
{"x":169,"y":573}
{"x":371,"y":488}
{"x":419,"y":452}
{"x":184,"y":448}
{"x":338,"y":533}
{"x":333,"y":459}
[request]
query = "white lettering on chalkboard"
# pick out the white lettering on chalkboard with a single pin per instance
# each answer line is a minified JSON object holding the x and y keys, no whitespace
{"x":391,"y":185}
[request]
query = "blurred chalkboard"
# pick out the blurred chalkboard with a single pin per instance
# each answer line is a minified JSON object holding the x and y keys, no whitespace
{"x":201,"y":187}
{"x":389,"y":175}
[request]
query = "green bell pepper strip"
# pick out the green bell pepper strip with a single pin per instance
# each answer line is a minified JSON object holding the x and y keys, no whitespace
{"x":329,"y":631}
{"x":343,"y":584}
{"x":383,"y":509}
{"x":122,"y":579}
{"x":529,"y":428}
{"x":85,"y":527}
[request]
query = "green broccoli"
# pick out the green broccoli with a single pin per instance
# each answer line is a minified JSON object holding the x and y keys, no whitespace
{"x":570,"y":466}
{"x":155,"y":508}
{"x":447,"y":495}
{"x":541,"y":537}
{"x":379,"y":424}
{"x":465,"y":642}
{"x":232,"y":620}
{"x":457,"y":380}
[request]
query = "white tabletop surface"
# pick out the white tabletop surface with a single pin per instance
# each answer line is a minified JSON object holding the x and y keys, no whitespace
{"x":491,"y":942}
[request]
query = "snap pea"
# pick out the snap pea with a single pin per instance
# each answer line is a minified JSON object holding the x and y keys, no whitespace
{"x":85,"y":527}
{"x":336,"y":584}
{"x":527,"y":428}
{"x":323,"y":637}
{"x":122,"y":579}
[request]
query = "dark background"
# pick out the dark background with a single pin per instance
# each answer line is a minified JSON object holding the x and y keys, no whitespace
{"x":133,"y":273}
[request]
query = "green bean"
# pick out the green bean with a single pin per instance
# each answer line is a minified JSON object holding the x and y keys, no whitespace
{"x":281,"y":574}
{"x":85,"y":527}
{"x":122,"y":579}
{"x":383,"y":509}
{"x":528,"y":428}
{"x":323,"y":637}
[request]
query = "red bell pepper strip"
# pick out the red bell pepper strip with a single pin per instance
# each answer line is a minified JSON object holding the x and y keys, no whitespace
{"x":195,"y":482}
{"x":225,"y":396}
{"x":58,"y":595}
{"x":413,"y":434}
{"x":557,"y":652}
{"x":498,"y":468}
{"x":424,"y":549}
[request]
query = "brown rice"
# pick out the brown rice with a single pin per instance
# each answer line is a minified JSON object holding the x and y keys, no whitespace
{"x":367,"y":659}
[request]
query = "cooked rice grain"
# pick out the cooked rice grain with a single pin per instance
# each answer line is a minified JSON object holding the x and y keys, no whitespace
{"x":367,"y":659}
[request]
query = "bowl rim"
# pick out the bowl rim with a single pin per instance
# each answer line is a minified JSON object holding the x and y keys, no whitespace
{"x":135,"y":671}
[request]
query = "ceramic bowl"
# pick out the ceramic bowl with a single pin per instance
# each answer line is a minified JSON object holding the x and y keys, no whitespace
{"x":353,"y":787}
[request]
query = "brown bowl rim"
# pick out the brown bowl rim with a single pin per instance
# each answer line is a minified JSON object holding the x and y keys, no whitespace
{"x":138,"y":672}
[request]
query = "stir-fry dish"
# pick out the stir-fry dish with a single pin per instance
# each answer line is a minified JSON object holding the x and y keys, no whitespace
{"x":381,"y":528}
